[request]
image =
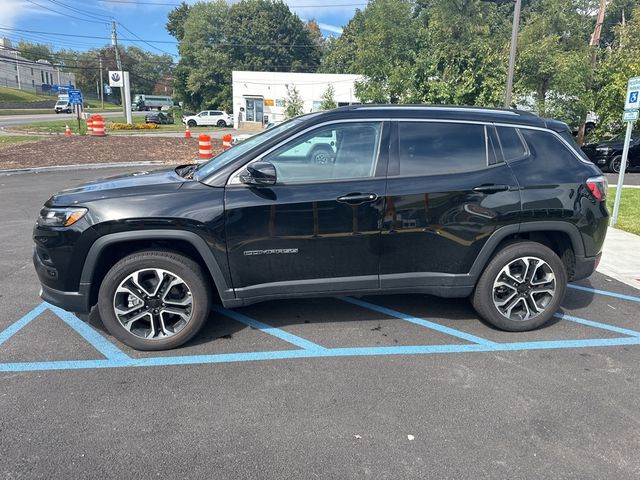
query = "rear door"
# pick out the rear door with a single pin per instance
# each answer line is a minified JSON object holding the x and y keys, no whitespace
{"x":318,"y":228}
{"x":448,"y":191}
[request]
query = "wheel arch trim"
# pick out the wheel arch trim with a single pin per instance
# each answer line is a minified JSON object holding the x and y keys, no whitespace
{"x":88,"y":269}
{"x":500,"y":234}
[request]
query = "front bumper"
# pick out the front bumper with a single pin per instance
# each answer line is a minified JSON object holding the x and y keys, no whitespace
{"x":78,"y":302}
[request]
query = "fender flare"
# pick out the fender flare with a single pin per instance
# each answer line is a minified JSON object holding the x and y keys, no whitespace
{"x":224,"y":290}
{"x":528,"y":227}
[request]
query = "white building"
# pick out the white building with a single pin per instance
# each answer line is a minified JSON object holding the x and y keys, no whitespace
{"x":260,"y":95}
{"x":19,"y":72}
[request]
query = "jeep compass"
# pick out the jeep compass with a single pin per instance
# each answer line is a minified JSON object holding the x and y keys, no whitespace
{"x":496,"y":205}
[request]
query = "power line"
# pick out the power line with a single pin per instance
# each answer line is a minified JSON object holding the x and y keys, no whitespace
{"x":146,"y":42}
{"x":63,"y":13}
{"x":169,"y":4}
{"x":96,"y":15}
{"x":221,"y":44}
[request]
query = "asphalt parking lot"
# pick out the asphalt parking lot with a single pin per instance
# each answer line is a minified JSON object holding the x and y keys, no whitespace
{"x":406,"y":386}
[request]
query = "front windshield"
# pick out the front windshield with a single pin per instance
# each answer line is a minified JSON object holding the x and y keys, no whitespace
{"x":228,"y":156}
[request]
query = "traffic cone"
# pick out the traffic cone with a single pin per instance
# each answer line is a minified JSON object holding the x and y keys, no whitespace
{"x":67,"y":131}
{"x":187,"y":132}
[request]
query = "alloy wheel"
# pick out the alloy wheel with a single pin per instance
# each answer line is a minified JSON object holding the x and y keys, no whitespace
{"x":153,"y":303}
{"x":524,"y":288}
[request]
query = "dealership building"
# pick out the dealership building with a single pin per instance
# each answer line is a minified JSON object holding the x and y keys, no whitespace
{"x":258,"y":97}
{"x":24,"y":74}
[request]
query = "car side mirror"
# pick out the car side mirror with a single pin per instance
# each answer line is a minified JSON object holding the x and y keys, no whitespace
{"x":259,"y":173}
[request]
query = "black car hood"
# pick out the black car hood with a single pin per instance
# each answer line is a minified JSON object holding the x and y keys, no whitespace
{"x":616,"y":145}
{"x":132,"y":184}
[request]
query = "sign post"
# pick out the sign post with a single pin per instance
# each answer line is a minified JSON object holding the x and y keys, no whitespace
{"x":631,"y":106}
{"x":75,"y":99}
{"x":121,"y":80}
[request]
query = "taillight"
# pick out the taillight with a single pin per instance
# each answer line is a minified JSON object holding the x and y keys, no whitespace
{"x":598,"y":187}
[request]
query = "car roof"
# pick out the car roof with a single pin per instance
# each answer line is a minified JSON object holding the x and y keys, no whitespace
{"x":445,"y":112}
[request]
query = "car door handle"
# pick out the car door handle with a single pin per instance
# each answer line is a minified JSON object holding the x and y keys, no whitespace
{"x":491,"y":188}
{"x":358,"y":198}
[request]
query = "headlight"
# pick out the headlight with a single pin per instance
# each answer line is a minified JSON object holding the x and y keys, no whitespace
{"x":604,"y":149}
{"x":60,"y":217}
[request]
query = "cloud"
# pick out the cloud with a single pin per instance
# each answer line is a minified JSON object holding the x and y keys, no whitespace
{"x":12,"y":10}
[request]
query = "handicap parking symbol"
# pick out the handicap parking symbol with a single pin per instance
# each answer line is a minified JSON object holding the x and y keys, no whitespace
{"x":633,"y":97}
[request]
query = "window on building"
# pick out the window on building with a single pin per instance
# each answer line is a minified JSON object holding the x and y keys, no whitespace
{"x":42,"y":75}
{"x":316,"y":105}
{"x":32,"y":72}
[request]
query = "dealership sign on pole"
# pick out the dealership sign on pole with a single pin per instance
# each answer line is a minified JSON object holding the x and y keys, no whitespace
{"x":120,"y":79}
{"x":631,"y":106}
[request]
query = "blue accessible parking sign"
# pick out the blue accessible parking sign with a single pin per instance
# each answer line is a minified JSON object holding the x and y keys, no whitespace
{"x":633,"y":97}
{"x":75,"y":97}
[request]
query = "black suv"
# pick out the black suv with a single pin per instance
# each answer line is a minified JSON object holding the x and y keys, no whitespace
{"x":498,"y":205}
{"x":608,"y":154}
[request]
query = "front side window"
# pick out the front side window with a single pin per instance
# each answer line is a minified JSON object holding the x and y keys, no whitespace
{"x":431,"y":148}
{"x":334,"y":152}
{"x":203,"y":114}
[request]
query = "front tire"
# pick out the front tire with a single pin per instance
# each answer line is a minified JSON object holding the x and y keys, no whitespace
{"x":521,"y":288}
{"x":192,"y":123}
{"x":154,"y":300}
{"x":615,"y":163}
{"x":222,"y":123}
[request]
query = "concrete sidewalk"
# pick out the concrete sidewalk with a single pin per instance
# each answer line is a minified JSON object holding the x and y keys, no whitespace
{"x":621,"y":257}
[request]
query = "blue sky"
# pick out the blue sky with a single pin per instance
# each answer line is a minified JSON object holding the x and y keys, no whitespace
{"x":21,"y":19}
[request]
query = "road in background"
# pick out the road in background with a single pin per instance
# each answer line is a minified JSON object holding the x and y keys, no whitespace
{"x":8,"y":120}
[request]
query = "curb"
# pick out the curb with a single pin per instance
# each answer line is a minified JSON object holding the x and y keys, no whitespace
{"x":86,"y":166}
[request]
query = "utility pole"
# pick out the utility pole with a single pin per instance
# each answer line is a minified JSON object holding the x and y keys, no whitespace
{"x":512,"y":53}
{"x":101,"y":83}
{"x":114,"y":42}
{"x":595,"y":38}
{"x":17,"y":70}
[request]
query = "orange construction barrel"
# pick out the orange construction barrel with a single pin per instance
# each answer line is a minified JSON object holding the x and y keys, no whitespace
{"x":205,"y":149}
{"x":226,"y":141}
{"x":99,"y":126}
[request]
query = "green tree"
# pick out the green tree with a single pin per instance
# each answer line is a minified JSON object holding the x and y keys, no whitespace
{"x":554,"y":61}
{"x":618,"y":64}
{"x":35,"y":51}
{"x":248,"y":35}
{"x":380,"y":43}
{"x":293,"y":104}
{"x":328,"y":99}
{"x":176,"y":20}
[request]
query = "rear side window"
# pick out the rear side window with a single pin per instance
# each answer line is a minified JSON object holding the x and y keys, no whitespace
{"x":428,"y":148}
{"x":511,"y":141}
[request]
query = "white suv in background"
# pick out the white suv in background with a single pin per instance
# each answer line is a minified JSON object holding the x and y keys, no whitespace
{"x":216,"y":118}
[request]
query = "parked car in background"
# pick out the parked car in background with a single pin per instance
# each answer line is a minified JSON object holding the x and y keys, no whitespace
{"x":448,"y":201}
{"x":218,"y":118}
{"x":161,"y":118}
{"x":608,"y":154}
{"x":63,"y":105}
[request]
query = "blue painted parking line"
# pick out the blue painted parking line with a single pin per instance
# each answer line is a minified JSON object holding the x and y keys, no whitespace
{"x":20,"y":324}
{"x":308,"y":354}
{"x":97,"y":341}
{"x":418,"y":321}
{"x":263,"y":327}
{"x":603,"y":326}
{"x":604,"y":292}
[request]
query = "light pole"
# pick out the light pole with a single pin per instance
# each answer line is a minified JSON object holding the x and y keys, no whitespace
{"x":512,"y":53}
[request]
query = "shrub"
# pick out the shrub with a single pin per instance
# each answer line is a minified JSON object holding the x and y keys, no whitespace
{"x":134,"y":126}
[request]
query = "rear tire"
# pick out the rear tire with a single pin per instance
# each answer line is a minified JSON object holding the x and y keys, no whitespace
{"x":521,"y":288}
{"x":154,"y":299}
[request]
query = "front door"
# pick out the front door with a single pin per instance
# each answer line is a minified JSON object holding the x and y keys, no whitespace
{"x":255,"y":109}
{"x":318,"y":228}
{"x":448,"y":191}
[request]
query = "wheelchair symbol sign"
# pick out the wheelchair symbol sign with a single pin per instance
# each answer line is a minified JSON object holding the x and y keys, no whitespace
{"x":633,"y":97}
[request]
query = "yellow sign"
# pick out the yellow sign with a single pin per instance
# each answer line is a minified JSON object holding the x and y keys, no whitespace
{"x":268,"y":102}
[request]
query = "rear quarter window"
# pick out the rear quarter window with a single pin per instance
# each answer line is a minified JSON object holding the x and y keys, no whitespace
{"x":548,"y":149}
